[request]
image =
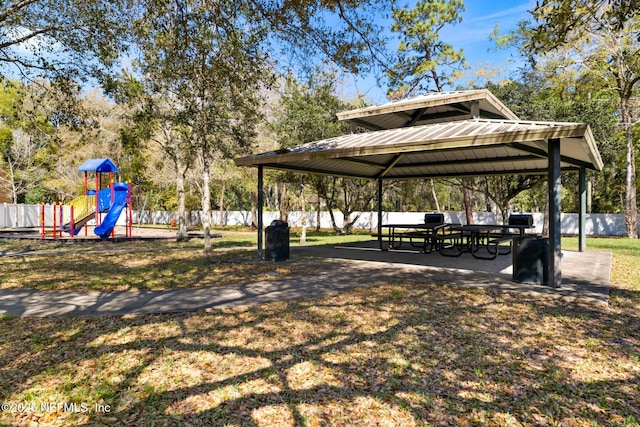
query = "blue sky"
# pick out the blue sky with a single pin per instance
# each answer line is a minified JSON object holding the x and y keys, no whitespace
{"x":472,"y":35}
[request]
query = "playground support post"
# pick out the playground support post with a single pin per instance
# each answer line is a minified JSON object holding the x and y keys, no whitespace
{"x":42,"y":220}
{"x":61,"y":216}
{"x":72,"y":225}
{"x":86,"y":225}
{"x":97,"y":218}
{"x":113,"y":199}
{"x":86,"y":193}
{"x":129,"y":213}
{"x":54,"y":221}
{"x":113,"y":191}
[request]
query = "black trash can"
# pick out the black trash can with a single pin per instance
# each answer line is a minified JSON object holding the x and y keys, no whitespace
{"x":531,"y":260}
{"x":277,"y":241}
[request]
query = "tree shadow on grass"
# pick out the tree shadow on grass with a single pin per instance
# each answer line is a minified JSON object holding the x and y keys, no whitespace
{"x":399,"y":355}
{"x":129,"y":271}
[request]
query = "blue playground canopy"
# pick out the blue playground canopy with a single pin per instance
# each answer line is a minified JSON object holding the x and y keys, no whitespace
{"x":98,"y":165}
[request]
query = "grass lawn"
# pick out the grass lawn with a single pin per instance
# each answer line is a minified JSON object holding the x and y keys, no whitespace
{"x":395,"y":354}
{"x":146,"y":265}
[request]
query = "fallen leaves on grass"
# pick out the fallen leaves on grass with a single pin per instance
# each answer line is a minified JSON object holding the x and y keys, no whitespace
{"x":402,"y":354}
{"x":373,"y":356}
{"x":153,"y":270}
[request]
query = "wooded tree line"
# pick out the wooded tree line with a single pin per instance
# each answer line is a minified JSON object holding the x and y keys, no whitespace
{"x":182,"y":87}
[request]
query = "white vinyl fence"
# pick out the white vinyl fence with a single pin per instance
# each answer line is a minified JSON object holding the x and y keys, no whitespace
{"x":28,"y":216}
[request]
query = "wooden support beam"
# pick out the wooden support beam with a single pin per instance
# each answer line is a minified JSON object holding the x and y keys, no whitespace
{"x":416,"y":116}
{"x":390,"y":166}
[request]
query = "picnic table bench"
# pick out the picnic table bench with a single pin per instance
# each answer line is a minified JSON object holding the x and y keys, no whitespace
{"x":483,"y":241}
{"x":416,"y":235}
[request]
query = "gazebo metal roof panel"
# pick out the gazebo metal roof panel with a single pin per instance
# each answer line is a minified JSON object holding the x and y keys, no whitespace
{"x":470,"y":147}
{"x":434,"y":107}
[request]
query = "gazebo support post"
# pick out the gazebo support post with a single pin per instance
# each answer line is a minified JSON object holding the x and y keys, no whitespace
{"x":555,"y":197}
{"x":380,"y":213}
{"x":260,"y":208}
{"x":582,"y":214}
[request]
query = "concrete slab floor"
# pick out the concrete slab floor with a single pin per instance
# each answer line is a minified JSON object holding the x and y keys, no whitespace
{"x":585,"y":275}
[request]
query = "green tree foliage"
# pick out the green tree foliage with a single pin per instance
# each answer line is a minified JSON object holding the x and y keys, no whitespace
{"x":49,"y":129}
{"x":421,"y":195}
{"x":10,"y":99}
{"x":61,"y":37}
{"x":201,"y":66}
{"x":50,"y":45}
{"x":603,"y":39}
{"x":25,"y":139}
{"x":560,"y":19}
{"x":424,"y":61}
{"x":307,"y":112}
{"x":303,"y":33}
{"x":348,"y":196}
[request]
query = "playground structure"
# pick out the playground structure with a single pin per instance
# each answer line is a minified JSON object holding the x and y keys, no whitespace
{"x":113,"y":200}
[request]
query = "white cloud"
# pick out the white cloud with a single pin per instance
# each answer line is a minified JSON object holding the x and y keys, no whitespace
{"x":475,"y":29}
{"x":515,"y":13}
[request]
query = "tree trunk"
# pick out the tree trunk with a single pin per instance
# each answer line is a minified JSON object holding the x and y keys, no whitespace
{"x":206,"y":200}
{"x":545,"y":222}
{"x":253,"y":196}
{"x":181,"y":170}
{"x":434,"y":195}
{"x":14,"y":190}
{"x":318,"y":213}
{"x":468,"y":203}
{"x":333,"y":221}
{"x":504,"y":213}
{"x":371,"y":220}
{"x":349,"y":222}
{"x":631,"y":201}
{"x":346,"y":223}
{"x":487,"y":199}
{"x":221,"y":201}
{"x":283,"y":202}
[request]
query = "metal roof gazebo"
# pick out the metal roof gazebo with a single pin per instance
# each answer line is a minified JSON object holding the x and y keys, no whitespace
{"x":452,"y":134}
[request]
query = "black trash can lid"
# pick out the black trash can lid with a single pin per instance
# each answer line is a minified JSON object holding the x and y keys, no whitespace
{"x":276,"y":223}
